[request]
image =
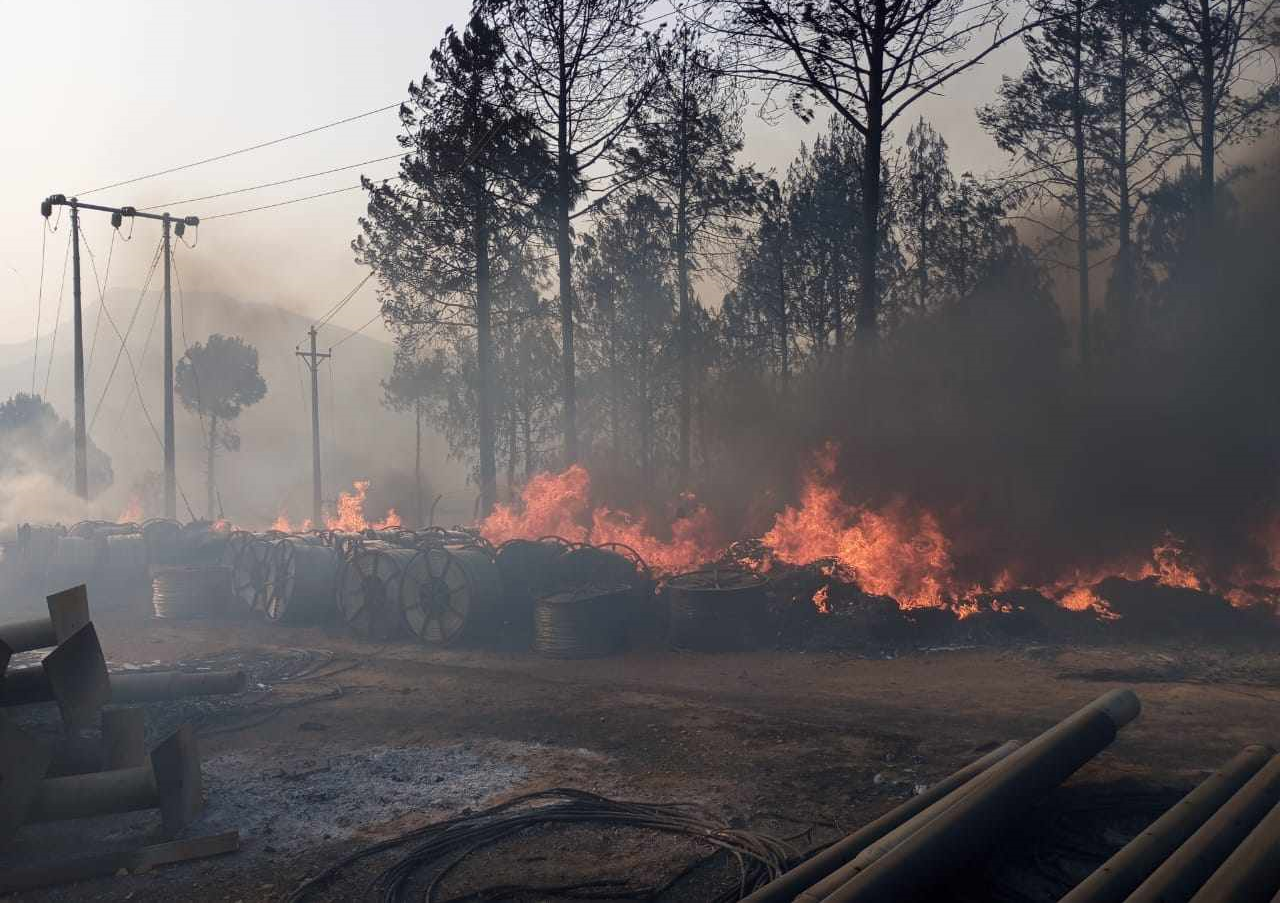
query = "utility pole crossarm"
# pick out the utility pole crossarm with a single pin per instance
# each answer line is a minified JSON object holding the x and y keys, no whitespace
{"x":178,"y":225}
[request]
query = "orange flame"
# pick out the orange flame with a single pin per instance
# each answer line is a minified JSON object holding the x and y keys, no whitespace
{"x":559,"y":504}
{"x":350,"y":517}
{"x":132,"y":512}
{"x":821,"y":599}
{"x":892,"y":552}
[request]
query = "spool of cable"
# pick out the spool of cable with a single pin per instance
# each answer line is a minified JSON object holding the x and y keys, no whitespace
{"x":197,"y":591}
{"x":716,"y":610}
{"x":583,"y":623}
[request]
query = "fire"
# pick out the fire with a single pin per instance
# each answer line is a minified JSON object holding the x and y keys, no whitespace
{"x":132,"y":512}
{"x":894,"y":551}
{"x":350,"y":517}
{"x":897,"y":549}
{"x":282,"y":525}
{"x":1083,"y":598}
{"x":559,"y":504}
{"x":552,"y":504}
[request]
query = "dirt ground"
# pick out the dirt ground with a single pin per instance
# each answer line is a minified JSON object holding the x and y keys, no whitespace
{"x":777,"y":742}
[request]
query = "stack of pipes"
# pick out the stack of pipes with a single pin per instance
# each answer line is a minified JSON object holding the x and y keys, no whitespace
{"x":47,"y":780}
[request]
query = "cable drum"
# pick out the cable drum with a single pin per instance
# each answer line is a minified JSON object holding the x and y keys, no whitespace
{"x":450,"y":595}
{"x":36,"y":545}
{"x":75,"y":560}
{"x":126,"y":559}
{"x":588,"y":622}
{"x":161,"y":537}
{"x":716,"y":610}
{"x":190,"y":591}
{"x":368,"y":593}
{"x":247,"y":554}
{"x":303,"y":581}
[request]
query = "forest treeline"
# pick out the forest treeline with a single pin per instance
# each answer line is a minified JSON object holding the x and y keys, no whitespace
{"x":579,"y":262}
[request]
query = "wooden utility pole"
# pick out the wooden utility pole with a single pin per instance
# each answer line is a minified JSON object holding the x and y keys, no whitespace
{"x":178,"y":226}
{"x":82,"y":439}
{"x":313,"y":359}
{"x":170,"y":451}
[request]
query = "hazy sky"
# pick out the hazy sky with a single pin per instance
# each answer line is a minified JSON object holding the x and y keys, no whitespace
{"x":97,"y":92}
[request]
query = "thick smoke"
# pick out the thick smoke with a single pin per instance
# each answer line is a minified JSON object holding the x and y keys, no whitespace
{"x":983,"y":415}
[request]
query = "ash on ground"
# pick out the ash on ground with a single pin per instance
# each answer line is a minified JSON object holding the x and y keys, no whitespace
{"x":335,"y":795}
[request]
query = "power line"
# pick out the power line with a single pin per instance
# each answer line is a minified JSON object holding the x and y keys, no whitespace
{"x":243,"y":150}
{"x":223,"y":194}
{"x":155,"y":260}
{"x":310,"y":197}
{"x":35,"y":346}
{"x":102,"y":296}
{"x":343,"y":303}
{"x":357,"y":332}
{"x":57,"y":317}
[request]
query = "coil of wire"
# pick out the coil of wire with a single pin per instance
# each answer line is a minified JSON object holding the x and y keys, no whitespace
{"x":190,"y":591}
{"x":587,"y":622}
{"x":717,"y":610}
{"x":303,"y":581}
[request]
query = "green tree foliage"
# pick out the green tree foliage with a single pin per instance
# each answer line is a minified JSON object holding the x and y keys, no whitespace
{"x":217,"y":380}
{"x":1045,"y":117}
{"x":689,"y":134}
{"x":580,"y":69}
{"x":34,"y":439}
{"x":630,"y":311}
{"x":447,"y":238}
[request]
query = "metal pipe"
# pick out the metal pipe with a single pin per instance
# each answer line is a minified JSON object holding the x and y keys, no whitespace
{"x":785,"y":887}
{"x":68,"y":612}
{"x":94,"y":794}
{"x":970,"y":817}
{"x":1252,"y":873}
{"x":23,"y":686}
{"x":1120,"y":875}
{"x":161,"y":686}
{"x":1194,"y":863}
{"x":23,"y":636}
{"x":877,"y":850}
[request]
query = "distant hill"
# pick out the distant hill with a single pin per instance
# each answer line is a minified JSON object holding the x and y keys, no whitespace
{"x":272,"y":471}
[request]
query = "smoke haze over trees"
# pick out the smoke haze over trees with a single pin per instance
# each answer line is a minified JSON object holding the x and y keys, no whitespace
{"x":701,"y":327}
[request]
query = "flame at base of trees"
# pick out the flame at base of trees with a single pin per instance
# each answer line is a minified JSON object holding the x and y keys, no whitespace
{"x":559,"y":504}
{"x":350,"y":515}
{"x":897,"y":549}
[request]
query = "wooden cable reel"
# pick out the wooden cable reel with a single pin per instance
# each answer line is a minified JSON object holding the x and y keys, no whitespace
{"x":368,"y":595}
{"x":302,"y":581}
{"x":448,"y":595}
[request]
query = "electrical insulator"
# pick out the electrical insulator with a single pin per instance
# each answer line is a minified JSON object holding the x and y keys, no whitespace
{"x":46,"y":208}
{"x":179,"y":228}
{"x":116,"y":219}
{"x":192,"y":221}
{"x":128,"y":211}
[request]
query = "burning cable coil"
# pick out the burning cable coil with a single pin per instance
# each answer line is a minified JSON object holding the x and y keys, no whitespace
{"x":716,"y":610}
{"x":302,"y":575}
{"x":190,"y":591}
{"x":445,"y":845}
{"x":448,"y":595}
{"x":583,"y":623}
